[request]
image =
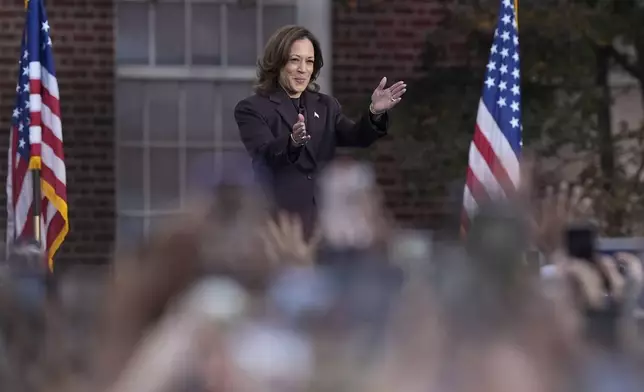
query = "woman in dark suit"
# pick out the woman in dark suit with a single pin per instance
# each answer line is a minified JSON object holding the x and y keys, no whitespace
{"x":291,"y":130}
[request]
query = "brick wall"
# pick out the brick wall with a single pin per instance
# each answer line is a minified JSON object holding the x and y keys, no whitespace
{"x":386,"y":38}
{"x":368,"y":42}
{"x":379,"y":38}
{"x":82,"y":35}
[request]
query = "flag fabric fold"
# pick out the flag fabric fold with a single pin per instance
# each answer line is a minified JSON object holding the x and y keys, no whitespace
{"x":37,"y":140}
{"x":493,"y":164}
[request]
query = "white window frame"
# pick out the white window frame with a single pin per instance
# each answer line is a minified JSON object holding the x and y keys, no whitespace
{"x":313,"y":14}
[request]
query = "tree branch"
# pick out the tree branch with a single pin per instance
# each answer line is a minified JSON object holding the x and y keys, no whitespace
{"x":638,"y":174}
{"x":619,"y":57}
{"x":623,"y":61}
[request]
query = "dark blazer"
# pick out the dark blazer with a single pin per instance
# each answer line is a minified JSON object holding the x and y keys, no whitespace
{"x":287,"y":173}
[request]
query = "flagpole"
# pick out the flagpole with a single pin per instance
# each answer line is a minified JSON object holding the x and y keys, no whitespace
{"x":35,"y":175}
{"x":516,"y":12}
{"x":37,"y":197}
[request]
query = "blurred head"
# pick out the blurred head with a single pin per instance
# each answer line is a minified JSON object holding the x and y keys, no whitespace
{"x":351,"y":212}
{"x":26,"y":256}
{"x":27,"y":273}
{"x":498,"y":237}
{"x":292,"y":59}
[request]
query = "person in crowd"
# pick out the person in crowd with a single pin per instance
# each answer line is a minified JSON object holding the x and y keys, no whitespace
{"x":291,"y":130}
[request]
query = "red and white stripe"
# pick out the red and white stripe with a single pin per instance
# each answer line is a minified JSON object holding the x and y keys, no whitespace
{"x":493,"y":169}
{"x":45,"y":134}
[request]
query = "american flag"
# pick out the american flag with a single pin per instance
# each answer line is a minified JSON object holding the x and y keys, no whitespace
{"x":37,"y":140}
{"x":493,"y":168}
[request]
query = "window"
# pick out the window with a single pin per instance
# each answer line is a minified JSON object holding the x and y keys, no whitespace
{"x":181,"y":66}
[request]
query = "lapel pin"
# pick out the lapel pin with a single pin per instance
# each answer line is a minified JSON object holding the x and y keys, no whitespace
{"x":316,"y":115}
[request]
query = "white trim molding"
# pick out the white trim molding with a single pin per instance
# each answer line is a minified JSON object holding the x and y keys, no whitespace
{"x":185,"y":72}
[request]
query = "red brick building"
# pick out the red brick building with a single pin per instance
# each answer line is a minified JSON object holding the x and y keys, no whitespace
{"x":148,"y":88}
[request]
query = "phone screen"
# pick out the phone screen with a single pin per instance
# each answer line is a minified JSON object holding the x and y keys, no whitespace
{"x":580,"y":242}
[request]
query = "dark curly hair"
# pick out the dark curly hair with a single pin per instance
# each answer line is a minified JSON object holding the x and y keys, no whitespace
{"x":276,"y":55}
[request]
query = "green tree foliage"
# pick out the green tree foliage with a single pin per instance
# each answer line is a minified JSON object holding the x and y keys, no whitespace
{"x":568,"y":48}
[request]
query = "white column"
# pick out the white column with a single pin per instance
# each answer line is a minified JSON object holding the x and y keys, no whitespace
{"x":315,"y":15}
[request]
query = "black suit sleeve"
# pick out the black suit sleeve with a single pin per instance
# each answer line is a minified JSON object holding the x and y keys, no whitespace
{"x":260,"y":141}
{"x":361,"y":133}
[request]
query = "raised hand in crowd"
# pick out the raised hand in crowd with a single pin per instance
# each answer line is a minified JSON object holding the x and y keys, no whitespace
{"x":551,"y":208}
{"x":566,"y":204}
{"x":285,"y":244}
{"x":606,"y":292}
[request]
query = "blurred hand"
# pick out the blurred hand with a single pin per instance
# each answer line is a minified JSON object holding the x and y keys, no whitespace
{"x":556,"y":210}
{"x":284,"y":241}
{"x":625,"y":286}
{"x":633,"y":271}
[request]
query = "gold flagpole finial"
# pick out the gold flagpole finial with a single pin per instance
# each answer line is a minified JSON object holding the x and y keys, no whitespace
{"x":26,"y":4}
